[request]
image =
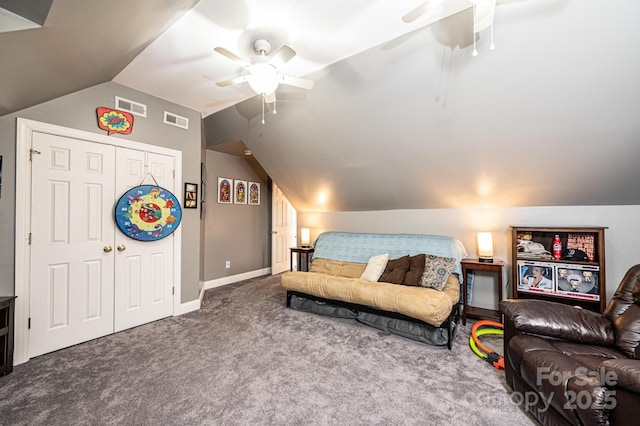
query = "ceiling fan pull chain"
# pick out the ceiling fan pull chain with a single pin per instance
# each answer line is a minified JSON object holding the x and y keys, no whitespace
{"x":475,"y":51}
{"x":262,"y":108}
{"x":493,"y":17}
{"x":275,"y":99}
{"x":492,"y":46}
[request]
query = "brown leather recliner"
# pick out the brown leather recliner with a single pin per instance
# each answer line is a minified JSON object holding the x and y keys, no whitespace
{"x":568,"y":365}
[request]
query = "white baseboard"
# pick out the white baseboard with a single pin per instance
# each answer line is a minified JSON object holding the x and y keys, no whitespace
{"x":234,"y":279}
{"x":186,"y":307}
{"x":194,"y":305}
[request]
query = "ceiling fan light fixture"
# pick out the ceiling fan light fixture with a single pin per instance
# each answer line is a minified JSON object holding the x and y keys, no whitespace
{"x":264,"y":78}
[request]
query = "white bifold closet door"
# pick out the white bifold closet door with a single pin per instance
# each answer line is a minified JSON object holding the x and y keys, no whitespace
{"x":87,"y":278}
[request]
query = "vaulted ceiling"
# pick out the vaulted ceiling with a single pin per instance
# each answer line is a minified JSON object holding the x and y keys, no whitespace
{"x":549,"y":118}
{"x":401,"y":115}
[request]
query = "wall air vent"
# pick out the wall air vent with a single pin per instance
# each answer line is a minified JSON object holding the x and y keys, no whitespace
{"x":135,"y":108}
{"x":176,"y":120}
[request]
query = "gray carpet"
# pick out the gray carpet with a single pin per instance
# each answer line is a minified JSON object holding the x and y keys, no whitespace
{"x":244,"y":358}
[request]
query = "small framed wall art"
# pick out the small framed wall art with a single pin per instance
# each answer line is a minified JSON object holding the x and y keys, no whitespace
{"x":190,"y":195}
{"x":240,"y":192}
{"x":254,"y":193}
{"x":225,"y":190}
{"x":203,"y":190}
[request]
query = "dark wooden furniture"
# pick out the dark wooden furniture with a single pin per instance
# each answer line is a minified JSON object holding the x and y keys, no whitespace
{"x":6,"y":334}
{"x":306,"y":251}
{"x":472,"y":311}
{"x":589,"y":275}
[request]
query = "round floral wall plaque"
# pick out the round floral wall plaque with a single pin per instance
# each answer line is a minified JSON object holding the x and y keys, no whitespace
{"x":148,"y":213}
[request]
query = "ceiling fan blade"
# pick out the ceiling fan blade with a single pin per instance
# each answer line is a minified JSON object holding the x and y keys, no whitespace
{"x":236,"y":80}
{"x":297,"y":82}
{"x":271,"y":98}
{"x":282,"y":56}
{"x":231,"y":55}
{"x":416,"y":13}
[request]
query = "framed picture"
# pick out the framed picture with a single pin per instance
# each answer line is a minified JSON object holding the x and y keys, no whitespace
{"x":203,"y":189}
{"x":254,"y":193}
{"x":578,"y":281}
{"x":240,"y":191}
{"x":190,"y":195}
{"x":536,"y":277}
{"x":225,"y":188}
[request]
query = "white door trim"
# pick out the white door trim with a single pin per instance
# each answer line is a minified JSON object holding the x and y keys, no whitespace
{"x":24,"y":133}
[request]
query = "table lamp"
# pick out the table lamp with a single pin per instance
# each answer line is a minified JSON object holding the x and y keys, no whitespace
{"x":305,"y":237}
{"x":485,"y":247}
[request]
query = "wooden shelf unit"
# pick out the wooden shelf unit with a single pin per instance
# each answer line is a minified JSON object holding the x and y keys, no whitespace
{"x":590,"y":292}
{"x":6,"y":334}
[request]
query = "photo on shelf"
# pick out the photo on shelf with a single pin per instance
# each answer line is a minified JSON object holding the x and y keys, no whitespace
{"x":584,"y":242}
{"x":536,"y":277}
{"x":578,"y":281}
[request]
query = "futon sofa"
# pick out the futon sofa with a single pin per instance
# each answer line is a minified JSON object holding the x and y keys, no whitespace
{"x":572,"y":366}
{"x":335,"y":286}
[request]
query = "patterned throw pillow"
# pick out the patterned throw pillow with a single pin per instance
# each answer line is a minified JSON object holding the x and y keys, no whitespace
{"x":436,"y":271}
{"x":395,"y":270}
{"x":375,"y":267}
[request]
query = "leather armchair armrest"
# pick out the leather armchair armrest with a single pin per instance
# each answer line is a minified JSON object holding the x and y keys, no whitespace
{"x":557,"y":320}
{"x":624,"y":372}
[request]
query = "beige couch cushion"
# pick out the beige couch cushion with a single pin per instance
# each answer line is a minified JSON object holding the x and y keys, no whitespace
{"x":426,"y":304}
{"x":335,"y":267}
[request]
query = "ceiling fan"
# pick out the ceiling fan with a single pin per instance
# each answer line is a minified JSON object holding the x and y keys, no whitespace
{"x":263,"y":75}
{"x":483,"y":15}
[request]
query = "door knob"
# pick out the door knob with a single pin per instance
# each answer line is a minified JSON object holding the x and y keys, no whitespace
{"x":107,"y":249}
{"x":122,"y":247}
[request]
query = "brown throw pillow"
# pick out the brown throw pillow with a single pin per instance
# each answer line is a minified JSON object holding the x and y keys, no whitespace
{"x":416,"y":268}
{"x":395,"y":270}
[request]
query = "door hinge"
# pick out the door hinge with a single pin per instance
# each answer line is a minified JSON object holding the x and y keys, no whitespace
{"x":29,"y":324}
{"x":173,"y":291}
{"x":31,"y":152}
{"x":29,"y":238}
{"x":174,"y":174}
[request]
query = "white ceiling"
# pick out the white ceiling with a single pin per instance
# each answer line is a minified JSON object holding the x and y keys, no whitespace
{"x":182,"y":67}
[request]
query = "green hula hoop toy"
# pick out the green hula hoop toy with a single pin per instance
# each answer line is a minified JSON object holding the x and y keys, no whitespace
{"x":481,"y":328}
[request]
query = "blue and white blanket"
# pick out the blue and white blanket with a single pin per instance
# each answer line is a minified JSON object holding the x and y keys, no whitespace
{"x":359,"y":247}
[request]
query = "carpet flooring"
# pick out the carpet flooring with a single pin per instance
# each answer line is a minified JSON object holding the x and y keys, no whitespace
{"x":245,"y":359}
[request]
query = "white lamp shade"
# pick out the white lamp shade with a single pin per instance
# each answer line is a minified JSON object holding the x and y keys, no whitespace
{"x":264,"y":79}
{"x":485,"y":245}
{"x":305,"y":236}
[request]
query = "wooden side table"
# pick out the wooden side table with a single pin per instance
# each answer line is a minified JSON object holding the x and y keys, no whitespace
{"x":306,"y":251}
{"x":6,"y":334}
{"x":472,"y":311}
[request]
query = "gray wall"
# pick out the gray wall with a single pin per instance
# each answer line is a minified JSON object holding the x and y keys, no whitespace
{"x":235,"y":232}
{"x":78,"y":111}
